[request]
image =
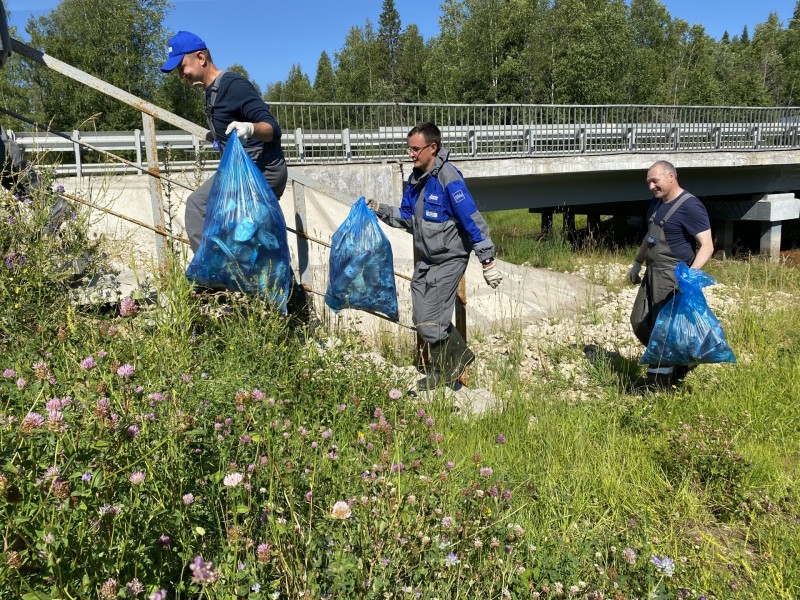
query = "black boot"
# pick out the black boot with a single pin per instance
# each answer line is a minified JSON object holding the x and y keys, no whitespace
{"x":460,"y":355}
{"x":654,"y":383}
{"x":438,"y":367}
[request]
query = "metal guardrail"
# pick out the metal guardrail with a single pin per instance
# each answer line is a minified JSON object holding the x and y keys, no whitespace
{"x":339,"y":133}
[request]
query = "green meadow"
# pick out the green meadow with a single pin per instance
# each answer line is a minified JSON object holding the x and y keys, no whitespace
{"x":187,"y":445}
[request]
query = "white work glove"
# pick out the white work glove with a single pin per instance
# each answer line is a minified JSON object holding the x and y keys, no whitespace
{"x":244,"y":131}
{"x":633,"y":274}
{"x":492,"y":275}
{"x":373,"y":204}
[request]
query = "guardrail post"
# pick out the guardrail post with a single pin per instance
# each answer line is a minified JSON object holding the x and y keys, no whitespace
{"x":675,"y":134}
{"x":717,"y":133}
{"x":630,"y":134}
{"x":348,"y":150}
{"x":298,"y":141}
{"x":473,"y":140}
{"x":300,"y":220}
{"x":76,"y":135}
{"x":756,"y":137}
{"x":156,"y":193}
{"x":582,"y":140}
{"x":529,"y":138}
{"x":137,"y":136}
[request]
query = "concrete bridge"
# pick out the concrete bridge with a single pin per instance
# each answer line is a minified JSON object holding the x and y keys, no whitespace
{"x":734,"y":186}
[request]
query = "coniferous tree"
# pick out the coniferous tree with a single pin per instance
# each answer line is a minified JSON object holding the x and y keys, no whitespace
{"x":389,"y":31}
{"x":324,"y":80}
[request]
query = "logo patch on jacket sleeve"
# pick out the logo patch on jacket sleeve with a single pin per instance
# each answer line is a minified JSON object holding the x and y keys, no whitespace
{"x":431,"y":214}
{"x":458,"y":196}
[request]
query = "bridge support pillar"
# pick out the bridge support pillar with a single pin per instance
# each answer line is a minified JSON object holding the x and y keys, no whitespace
{"x":771,"y":240}
{"x":769,"y":209}
{"x":724,"y":235}
{"x":547,"y":221}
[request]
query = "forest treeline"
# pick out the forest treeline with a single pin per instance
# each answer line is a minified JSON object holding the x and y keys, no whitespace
{"x":486,"y":51}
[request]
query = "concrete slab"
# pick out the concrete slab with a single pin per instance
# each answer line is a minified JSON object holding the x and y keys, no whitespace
{"x":525,"y":295}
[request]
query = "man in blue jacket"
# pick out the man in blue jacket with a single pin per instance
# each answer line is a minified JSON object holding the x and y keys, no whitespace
{"x":439,"y":211}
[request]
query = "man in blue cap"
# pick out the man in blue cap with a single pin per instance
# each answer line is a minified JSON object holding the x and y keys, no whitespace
{"x":232,"y":105}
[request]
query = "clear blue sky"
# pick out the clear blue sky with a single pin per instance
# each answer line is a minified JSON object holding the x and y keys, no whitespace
{"x":279,"y":34}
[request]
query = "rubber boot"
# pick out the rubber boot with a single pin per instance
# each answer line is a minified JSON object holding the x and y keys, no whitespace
{"x":438,"y":367}
{"x":460,"y":355}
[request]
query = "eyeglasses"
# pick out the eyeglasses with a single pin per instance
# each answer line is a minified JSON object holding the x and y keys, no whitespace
{"x":415,"y":150}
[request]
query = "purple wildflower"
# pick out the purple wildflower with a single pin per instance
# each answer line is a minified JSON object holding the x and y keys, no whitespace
{"x":203,"y":572}
{"x":134,"y":587}
{"x":31,"y":421}
{"x":500,"y":439}
{"x":664,"y":564}
{"x":128,"y":307}
{"x":133,"y":431}
{"x":126,"y":371}
{"x":188,"y":499}
{"x":88,"y":363}
{"x":486,"y":471}
{"x":9,"y":373}
{"x":137,"y":477}
{"x":451,"y":560}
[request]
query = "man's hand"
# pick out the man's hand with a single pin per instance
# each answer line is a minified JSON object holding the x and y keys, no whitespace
{"x":492,"y":275}
{"x":633,"y":274}
{"x":373,"y":204}
{"x":244,"y":131}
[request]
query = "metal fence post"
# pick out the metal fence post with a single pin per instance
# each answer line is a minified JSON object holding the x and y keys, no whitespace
{"x":300,"y":222}
{"x":76,"y":135}
{"x":137,"y":135}
{"x":348,"y":150}
{"x":156,"y":193}
{"x":298,"y":140}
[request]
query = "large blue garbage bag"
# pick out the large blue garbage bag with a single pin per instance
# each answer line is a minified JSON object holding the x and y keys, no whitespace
{"x":244,"y":246}
{"x":686,"y":332}
{"x":361,"y":265}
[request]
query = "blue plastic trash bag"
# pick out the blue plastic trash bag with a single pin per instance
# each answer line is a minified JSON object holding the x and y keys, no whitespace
{"x":361,"y":266}
{"x":244,"y":246}
{"x":686,"y":332}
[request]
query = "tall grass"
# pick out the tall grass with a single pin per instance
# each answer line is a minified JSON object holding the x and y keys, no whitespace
{"x":194,"y":447}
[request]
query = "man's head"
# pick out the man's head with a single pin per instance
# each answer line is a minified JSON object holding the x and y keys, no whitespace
{"x":188,"y":54}
{"x":662,"y":181}
{"x":424,"y":142}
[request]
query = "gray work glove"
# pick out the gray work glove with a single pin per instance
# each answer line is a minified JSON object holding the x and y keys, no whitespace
{"x":492,"y":275}
{"x":633,"y":274}
{"x":373,"y":204}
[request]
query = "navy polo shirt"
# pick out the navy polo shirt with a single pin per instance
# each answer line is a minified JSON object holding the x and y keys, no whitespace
{"x":690,"y":219}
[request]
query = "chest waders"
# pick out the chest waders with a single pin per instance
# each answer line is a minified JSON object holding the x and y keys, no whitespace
{"x":658,"y":284}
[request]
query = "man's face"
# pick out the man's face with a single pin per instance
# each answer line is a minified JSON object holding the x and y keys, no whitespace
{"x":660,"y":183}
{"x":191,"y":68}
{"x":421,"y":152}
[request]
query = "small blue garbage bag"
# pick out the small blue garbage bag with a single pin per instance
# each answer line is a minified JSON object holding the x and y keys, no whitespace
{"x":686,"y":332}
{"x":361,"y":266}
{"x":244,"y":246}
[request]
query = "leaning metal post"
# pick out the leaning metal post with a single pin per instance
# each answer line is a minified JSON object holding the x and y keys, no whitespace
{"x":156,"y":191}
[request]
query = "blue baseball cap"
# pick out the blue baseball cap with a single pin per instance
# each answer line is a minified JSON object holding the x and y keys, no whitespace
{"x":181,"y":43}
